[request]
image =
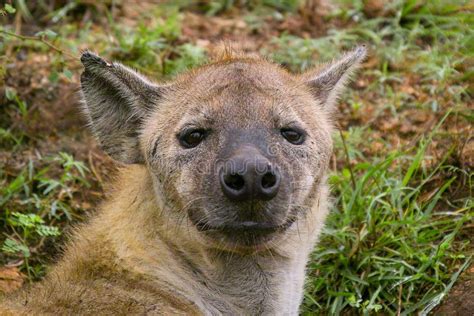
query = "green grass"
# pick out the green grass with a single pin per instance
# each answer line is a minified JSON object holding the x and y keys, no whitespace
{"x":397,"y":237}
{"x":392,"y":243}
{"x":387,"y":248}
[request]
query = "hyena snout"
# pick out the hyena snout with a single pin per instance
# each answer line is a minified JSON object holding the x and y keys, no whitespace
{"x":249,"y":176}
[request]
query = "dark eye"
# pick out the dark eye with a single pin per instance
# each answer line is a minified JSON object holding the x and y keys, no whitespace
{"x":192,"y":138}
{"x":294,"y":136}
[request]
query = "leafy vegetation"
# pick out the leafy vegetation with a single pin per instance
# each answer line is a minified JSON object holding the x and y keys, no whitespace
{"x":33,"y":198}
{"x":400,"y":233}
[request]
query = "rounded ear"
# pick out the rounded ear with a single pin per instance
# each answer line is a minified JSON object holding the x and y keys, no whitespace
{"x":116,"y":100}
{"x":328,"y":81}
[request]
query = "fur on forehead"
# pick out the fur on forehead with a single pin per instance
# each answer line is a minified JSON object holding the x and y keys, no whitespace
{"x":228,"y":67}
{"x":226,"y":52}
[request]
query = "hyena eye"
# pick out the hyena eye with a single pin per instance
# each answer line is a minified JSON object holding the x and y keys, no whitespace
{"x":192,"y":138}
{"x":292,"y":135}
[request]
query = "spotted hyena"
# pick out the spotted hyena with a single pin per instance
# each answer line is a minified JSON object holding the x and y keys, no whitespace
{"x":221,"y":198}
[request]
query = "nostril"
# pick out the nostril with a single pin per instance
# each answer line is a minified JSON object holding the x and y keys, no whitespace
{"x":234,"y":181}
{"x":269,"y":180}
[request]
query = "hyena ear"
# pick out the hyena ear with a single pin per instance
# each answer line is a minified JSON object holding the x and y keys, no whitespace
{"x":327,"y":82}
{"x":117,"y":99}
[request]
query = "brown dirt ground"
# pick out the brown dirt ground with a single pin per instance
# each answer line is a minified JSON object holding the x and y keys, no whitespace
{"x":460,"y":301}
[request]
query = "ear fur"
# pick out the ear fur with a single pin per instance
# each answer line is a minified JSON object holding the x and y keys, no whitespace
{"x":116,"y":101}
{"x":327,"y":82}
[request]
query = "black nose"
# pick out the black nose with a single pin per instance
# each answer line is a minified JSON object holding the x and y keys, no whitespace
{"x":249,"y":176}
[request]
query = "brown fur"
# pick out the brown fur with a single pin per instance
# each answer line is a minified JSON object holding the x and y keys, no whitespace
{"x":141,"y":254}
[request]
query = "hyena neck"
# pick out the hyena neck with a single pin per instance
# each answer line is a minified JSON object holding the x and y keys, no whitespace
{"x":265,"y":283}
{"x":257,"y":284}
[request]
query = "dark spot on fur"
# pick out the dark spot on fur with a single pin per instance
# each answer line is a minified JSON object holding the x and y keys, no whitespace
{"x":154,"y":150}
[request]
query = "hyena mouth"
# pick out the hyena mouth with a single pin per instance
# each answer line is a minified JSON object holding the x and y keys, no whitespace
{"x":244,"y":227}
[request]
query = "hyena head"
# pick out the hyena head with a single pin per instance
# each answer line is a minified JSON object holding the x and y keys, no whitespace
{"x":237,"y":149}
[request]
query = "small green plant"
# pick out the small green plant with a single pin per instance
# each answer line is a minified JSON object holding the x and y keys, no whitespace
{"x":19,"y":104}
{"x":153,"y":50}
{"x":32,"y":199}
{"x":7,"y":8}
{"x":26,"y":227}
{"x":188,"y":56}
{"x":8,"y":138}
{"x":147,"y":47}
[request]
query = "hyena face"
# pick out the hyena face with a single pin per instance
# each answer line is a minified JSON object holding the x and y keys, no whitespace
{"x":237,"y":150}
